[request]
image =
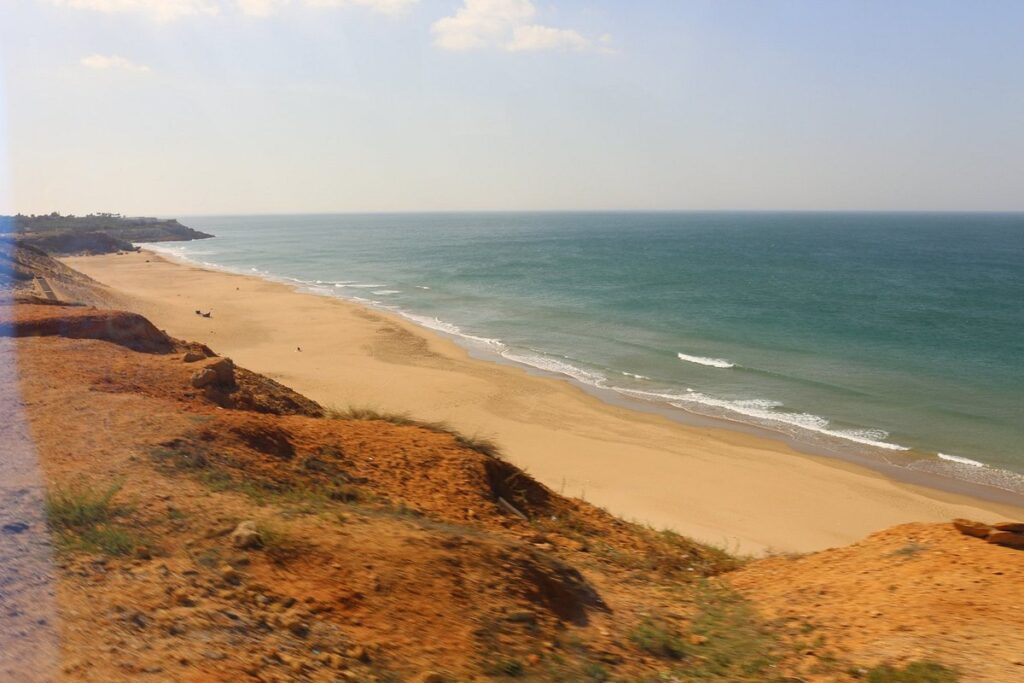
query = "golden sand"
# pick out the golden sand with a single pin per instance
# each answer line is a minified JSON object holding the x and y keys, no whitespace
{"x":717,"y":485}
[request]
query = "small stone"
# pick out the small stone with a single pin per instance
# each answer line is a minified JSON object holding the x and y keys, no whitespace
{"x":230,"y":575}
{"x":430,"y":677}
{"x":521,"y":617}
{"x":246,"y":536}
{"x":358,"y":652}
{"x":184,"y":599}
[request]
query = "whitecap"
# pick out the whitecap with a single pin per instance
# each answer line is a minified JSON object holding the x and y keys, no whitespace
{"x":554,"y":365}
{"x":702,"y":360}
{"x":634,"y":375}
{"x":961,"y":460}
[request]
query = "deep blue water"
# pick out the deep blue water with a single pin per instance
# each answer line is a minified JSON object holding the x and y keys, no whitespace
{"x":898,"y":334}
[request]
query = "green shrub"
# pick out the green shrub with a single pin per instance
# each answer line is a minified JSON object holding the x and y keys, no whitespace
{"x":914,"y":672}
{"x":86,"y":519}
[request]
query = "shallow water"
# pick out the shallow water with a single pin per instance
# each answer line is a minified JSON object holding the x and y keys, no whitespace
{"x":898,"y":335}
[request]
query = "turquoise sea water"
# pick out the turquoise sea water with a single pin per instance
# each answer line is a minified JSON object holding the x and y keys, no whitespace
{"x":899,"y":336}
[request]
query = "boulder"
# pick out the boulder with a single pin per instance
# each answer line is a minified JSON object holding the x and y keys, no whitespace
{"x":219,"y":372}
{"x":224,"y":368}
{"x":1014,"y":527}
{"x":972,"y":528}
{"x":1007,"y":538}
{"x":193,"y":356}
{"x":246,"y":536}
{"x":203,"y":378}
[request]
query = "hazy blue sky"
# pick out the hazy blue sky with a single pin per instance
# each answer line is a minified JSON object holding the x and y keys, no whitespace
{"x":196,"y":106}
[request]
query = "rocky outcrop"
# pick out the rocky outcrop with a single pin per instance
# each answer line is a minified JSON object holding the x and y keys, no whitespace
{"x":76,"y":322}
{"x":77,"y":243}
{"x":1010,"y":534}
{"x":95,"y":234}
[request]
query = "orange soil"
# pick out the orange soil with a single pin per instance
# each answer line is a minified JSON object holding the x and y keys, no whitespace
{"x":426,"y":573}
{"x":915,"y":591}
{"x":391,"y":556}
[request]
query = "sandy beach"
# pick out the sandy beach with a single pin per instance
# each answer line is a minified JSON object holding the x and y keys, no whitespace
{"x":720,"y":486}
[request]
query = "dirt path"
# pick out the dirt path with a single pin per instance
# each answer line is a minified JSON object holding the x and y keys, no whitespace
{"x":47,"y":289}
{"x":28,"y":617}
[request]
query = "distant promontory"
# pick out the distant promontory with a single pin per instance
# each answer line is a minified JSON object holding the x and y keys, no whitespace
{"x":100,"y":233}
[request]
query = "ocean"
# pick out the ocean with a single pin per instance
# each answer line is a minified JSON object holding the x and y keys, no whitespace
{"x":893,"y":336}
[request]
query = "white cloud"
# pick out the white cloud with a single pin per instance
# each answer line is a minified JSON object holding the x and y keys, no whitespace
{"x":502,"y":23}
{"x":163,"y":10}
{"x":104,"y":62}
{"x":382,"y":6}
{"x":166,"y":10}
{"x":479,"y":22}
{"x":537,"y":37}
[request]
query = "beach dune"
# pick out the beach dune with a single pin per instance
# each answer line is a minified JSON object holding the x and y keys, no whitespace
{"x":721,"y":486}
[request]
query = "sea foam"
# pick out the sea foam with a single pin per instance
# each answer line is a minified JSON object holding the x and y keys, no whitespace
{"x":961,"y":460}
{"x":710,"y":362}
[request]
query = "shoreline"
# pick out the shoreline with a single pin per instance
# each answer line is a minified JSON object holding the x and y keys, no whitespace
{"x":713,"y":479}
{"x":949,"y":474}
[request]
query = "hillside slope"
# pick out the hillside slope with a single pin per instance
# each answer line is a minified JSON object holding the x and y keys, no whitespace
{"x":210,"y":524}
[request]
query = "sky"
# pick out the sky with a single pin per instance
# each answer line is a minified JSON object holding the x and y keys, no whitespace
{"x":178,"y":107}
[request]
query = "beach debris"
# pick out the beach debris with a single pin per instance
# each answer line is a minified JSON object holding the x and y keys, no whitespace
{"x":1010,"y":534}
{"x":510,"y":508}
{"x":299,"y":349}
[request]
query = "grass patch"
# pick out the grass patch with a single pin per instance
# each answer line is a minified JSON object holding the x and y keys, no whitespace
{"x":479,"y":444}
{"x":87,"y":519}
{"x":180,"y":454}
{"x":476,"y":443}
{"x":658,"y":638}
{"x":734,"y":644}
{"x":511,"y":668}
{"x":669,"y":555}
{"x":914,"y":672}
{"x":910,"y":550}
{"x":186,"y":456}
{"x":278,"y":543}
